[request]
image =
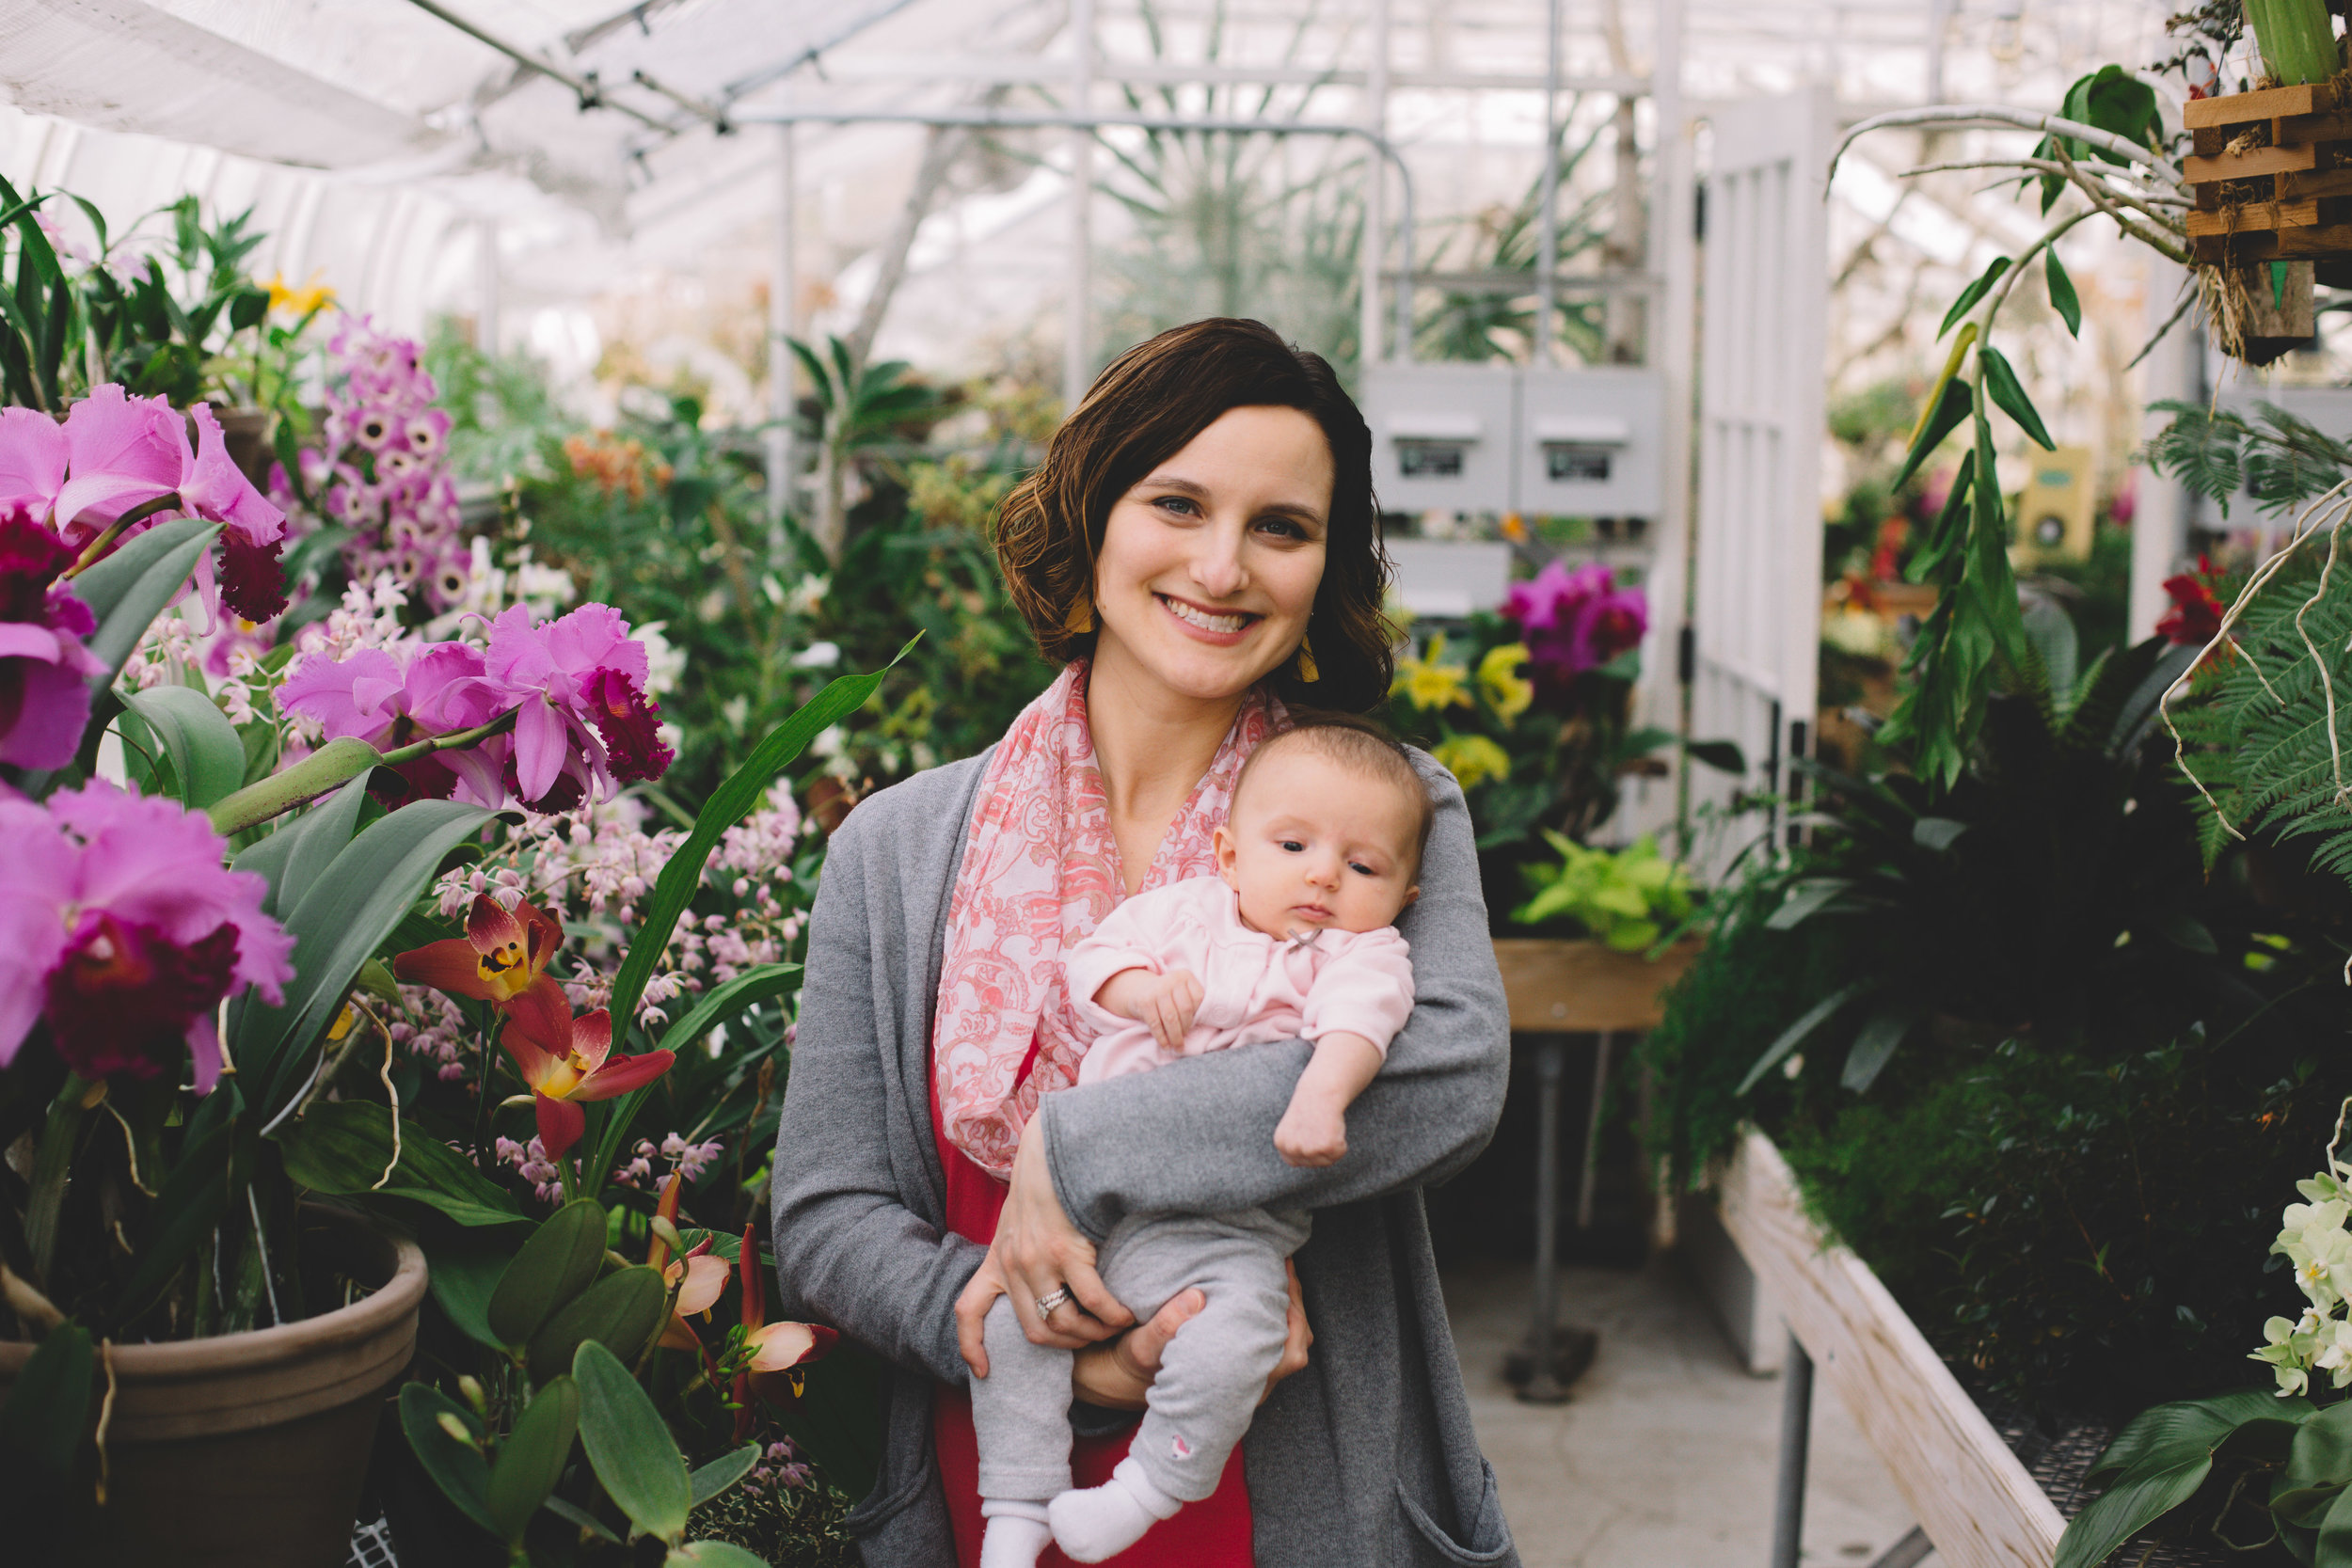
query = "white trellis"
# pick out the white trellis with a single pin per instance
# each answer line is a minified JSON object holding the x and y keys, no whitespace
{"x":1756,"y":553}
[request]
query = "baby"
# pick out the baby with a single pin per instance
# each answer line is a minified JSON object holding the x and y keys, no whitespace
{"x":1294,"y":939}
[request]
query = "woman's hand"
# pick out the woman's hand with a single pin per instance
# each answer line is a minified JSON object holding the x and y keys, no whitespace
{"x":1038,"y":1252}
{"x":1118,"y":1374}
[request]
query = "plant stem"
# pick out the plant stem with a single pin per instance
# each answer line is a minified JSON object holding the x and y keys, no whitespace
{"x":53,"y":1168}
{"x":336,"y":762}
{"x":88,"y":557}
{"x":482,"y":1060}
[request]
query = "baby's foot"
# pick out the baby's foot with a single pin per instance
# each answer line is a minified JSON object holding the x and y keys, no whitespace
{"x":1100,"y":1522}
{"x":1016,"y":1535}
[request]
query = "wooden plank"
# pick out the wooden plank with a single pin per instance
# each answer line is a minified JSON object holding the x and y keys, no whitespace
{"x":1975,"y":1501}
{"x":2253,"y":163}
{"x":2237,"y":108}
{"x":2329,"y":239}
{"x":2248,"y":216}
{"x":1577,"y":987}
{"x":2324,"y":181}
{"x":2319,"y":127}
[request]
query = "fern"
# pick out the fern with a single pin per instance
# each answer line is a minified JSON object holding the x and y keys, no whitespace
{"x":2255,"y":734}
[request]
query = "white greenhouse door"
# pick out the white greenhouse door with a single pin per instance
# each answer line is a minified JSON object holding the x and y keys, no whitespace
{"x":1757,"y":556}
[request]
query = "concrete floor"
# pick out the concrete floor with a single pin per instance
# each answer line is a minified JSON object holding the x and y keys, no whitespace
{"x":1665,"y":1455}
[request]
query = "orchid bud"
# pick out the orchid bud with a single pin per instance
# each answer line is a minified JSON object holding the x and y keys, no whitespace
{"x":470,"y":1386}
{"x":668,"y":1233}
{"x":450,"y":1423}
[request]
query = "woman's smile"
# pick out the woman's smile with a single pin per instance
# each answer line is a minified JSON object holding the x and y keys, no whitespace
{"x":1223,"y":627}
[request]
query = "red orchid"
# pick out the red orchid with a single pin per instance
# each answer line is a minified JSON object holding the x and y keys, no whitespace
{"x":2196,"y":611}
{"x":779,"y":1350}
{"x":502,"y":956}
{"x":698,"y":1278}
{"x":566,"y":1060}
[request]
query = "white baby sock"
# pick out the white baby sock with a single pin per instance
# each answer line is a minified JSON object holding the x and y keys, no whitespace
{"x":1016,"y":1534}
{"x":1102,"y":1521}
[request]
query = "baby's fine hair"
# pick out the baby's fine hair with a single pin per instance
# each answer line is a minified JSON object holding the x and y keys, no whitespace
{"x":1361,"y":746}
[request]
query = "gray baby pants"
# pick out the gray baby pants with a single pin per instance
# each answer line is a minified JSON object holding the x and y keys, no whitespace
{"x":1210,"y":1377}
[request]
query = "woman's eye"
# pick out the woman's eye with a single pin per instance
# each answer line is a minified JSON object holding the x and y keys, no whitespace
{"x":1281,"y":528}
{"x":1182,"y":506}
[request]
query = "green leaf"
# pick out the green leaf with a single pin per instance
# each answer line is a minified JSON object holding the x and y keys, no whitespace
{"x":729,"y":1002}
{"x":130,"y":588}
{"x":1797,"y":1033}
{"x":2334,"y":1547}
{"x":573,"y":1514}
{"x":632,"y":1451}
{"x":723,"y":1472}
{"x":342,"y":1147}
{"x":207,"y":755}
{"x":2166,"y":1434}
{"x":712,"y":1554}
{"x":338,"y":926}
{"x":311,"y":845}
{"x":2115,"y":100}
{"x":2000,"y":381}
{"x":1805,"y":900}
{"x":2128,"y":1506}
{"x":2321,"y":1454}
{"x":1952,"y":405}
{"x":559,"y":1262}
{"x":456,"y":1465}
{"x":41,"y":1425}
{"x":1881,"y":1036}
{"x":463,"y":1274}
{"x":619,"y":1312}
{"x":729,"y":804}
{"x":1937,"y":834}
{"x":532,"y":1459}
{"x":1973,"y":292}
{"x":1724,"y":756}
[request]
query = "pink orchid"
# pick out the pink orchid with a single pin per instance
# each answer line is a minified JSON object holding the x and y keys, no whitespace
{"x":45,"y":670}
{"x":121,"y":452}
{"x":371,"y":697}
{"x":580,"y":679}
{"x":32,"y":460}
{"x":1575,"y":620}
{"x":118,"y":924}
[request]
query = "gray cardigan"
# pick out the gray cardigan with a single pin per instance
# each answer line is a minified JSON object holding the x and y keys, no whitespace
{"x":1364,"y":1459}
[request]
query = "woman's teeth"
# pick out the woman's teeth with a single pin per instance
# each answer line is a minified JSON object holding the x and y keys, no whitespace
{"x":1204,"y":620}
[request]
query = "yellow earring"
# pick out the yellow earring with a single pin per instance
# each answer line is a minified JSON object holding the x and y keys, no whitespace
{"x":1307,"y":671}
{"x":1081,"y":617}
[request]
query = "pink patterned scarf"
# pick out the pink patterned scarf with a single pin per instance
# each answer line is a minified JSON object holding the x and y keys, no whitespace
{"x":1040,"y":869}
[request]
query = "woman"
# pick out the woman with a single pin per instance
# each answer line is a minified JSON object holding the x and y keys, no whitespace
{"x":1201,"y":544}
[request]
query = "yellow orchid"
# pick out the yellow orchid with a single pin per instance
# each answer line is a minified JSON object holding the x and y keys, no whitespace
{"x":1427,"y":681}
{"x":1472,"y":759}
{"x":313,"y":296}
{"x":1507,"y":690}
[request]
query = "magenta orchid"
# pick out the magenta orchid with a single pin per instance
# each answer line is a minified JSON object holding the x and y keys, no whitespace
{"x":122,"y":928}
{"x":45,"y":670}
{"x":1575,"y":620}
{"x":372,"y":696}
{"x":117,"y":453}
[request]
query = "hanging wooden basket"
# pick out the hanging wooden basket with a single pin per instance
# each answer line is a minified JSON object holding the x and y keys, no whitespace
{"x":2273,"y":176}
{"x":2272,"y":173}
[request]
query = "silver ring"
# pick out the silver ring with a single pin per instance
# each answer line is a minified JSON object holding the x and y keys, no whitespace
{"x":1057,"y":1297}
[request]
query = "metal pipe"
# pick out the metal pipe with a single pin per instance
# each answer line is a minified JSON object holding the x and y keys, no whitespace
{"x":1543,"y":1383}
{"x":585,"y":89}
{"x":715,"y":114}
{"x":783,"y":286}
{"x":1588,"y":1178}
{"x":1796,"y":1434}
{"x":1368,"y":332}
{"x":1547,"y":249}
{"x":753,"y":81}
{"x":1000,"y":119}
{"x":1022,"y":70}
{"x":1075,"y":309}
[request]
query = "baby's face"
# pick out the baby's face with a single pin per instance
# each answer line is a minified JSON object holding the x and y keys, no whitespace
{"x":1313,"y":844}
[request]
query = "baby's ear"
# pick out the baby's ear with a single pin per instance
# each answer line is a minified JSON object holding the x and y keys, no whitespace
{"x":1412,"y":893}
{"x":1225,"y":850}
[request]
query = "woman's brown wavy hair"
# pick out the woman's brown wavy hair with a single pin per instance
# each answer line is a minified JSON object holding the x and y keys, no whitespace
{"x":1141,"y":411}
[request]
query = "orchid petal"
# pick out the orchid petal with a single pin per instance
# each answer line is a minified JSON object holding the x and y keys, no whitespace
{"x":560,"y":1123}
{"x":538,"y":748}
{"x":540,"y":1018}
{"x":705,"y":1280}
{"x":204,"y":1050}
{"x":592,"y":1037}
{"x":24,"y":640}
{"x":621,"y":1074}
{"x":451,"y":966}
{"x":782,"y":1346}
{"x":32,"y":460}
{"x":215,"y":487}
{"x":120,"y":451}
{"x":53,"y":710}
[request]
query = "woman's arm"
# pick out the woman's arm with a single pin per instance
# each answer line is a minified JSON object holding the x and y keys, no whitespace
{"x":1198,"y":1136}
{"x":847,"y":1248}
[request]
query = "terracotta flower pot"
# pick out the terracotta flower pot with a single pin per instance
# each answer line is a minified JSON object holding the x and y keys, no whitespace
{"x":249,"y":1449}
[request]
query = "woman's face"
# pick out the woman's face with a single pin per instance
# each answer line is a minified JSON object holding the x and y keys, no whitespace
{"x":1209,"y":566}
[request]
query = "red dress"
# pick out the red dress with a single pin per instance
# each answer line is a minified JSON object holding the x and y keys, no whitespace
{"x":1211,"y":1533}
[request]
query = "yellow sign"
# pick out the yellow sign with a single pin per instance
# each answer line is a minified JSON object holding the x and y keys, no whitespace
{"x":2057,"y":512}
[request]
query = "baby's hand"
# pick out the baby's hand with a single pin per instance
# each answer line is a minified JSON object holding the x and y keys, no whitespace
{"x":1166,"y":1003}
{"x":1313,"y":1132}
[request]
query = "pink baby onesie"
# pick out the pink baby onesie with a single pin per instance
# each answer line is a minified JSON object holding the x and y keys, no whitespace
{"x":1254,"y":988}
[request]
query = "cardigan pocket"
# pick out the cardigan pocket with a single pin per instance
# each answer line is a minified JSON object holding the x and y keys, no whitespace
{"x":910,"y":1406}
{"x":1489,"y":1537}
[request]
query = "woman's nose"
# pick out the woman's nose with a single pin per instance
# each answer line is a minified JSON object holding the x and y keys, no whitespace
{"x":1218,"y":567}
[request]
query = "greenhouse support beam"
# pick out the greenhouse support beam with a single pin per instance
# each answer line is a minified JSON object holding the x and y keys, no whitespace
{"x":585,"y":89}
{"x":1368,"y":332}
{"x":1074,"y":350}
{"x":783,"y":364}
{"x":1548,"y":246}
{"x":1021,"y":70}
{"x":994,"y":120}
